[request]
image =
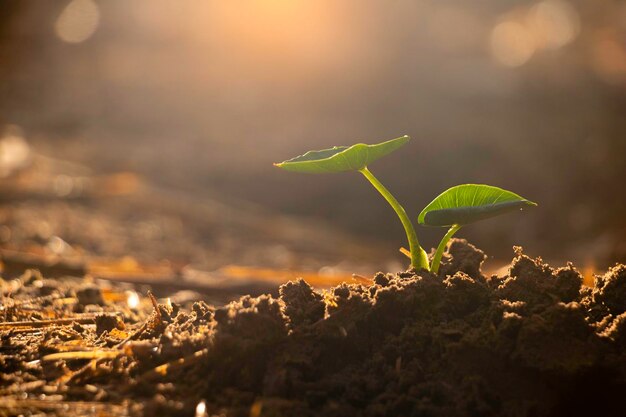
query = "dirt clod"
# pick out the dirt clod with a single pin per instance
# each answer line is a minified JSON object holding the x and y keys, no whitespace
{"x":462,"y":256}
{"x":106,"y":323}
{"x":610,"y":290}
{"x":303,"y":305}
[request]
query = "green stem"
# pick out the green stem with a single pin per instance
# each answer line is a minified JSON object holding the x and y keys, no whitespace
{"x":419,"y":259}
{"x":434,"y":266}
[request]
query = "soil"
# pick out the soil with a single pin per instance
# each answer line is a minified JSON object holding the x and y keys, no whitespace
{"x":534,"y":342}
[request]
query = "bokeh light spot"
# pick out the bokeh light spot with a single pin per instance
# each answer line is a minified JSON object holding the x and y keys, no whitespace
{"x":78,"y":21}
{"x":512,"y":44}
{"x":609,"y":57}
{"x":132,"y":299}
{"x":555,"y":23}
{"x":15,"y":152}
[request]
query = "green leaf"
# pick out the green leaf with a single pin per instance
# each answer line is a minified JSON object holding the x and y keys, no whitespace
{"x":341,"y":158}
{"x":469,"y":203}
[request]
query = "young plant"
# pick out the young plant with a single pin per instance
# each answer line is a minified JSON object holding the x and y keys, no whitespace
{"x":465,"y":204}
{"x":357,"y":158}
{"x":456,"y":207}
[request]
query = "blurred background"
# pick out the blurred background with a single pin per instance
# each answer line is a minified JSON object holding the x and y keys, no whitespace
{"x":148,"y":129}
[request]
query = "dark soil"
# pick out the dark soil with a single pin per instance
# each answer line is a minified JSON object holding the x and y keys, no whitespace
{"x":532,"y":343}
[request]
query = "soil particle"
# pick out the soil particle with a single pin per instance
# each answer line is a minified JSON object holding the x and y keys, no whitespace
{"x":381,"y":279}
{"x":558,"y":339}
{"x":538,"y":285}
{"x":90,"y":295}
{"x":464,"y":294}
{"x":303,"y":305}
{"x":616,"y":331}
{"x":462,"y":256}
{"x":246,"y":337}
{"x":106,"y":323}
{"x":610,"y":290}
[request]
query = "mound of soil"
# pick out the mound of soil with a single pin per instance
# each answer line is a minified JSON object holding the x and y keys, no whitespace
{"x":532,"y":343}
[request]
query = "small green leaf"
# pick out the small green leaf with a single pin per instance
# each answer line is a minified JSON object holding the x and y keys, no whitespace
{"x":469,"y":203}
{"x":341,"y":158}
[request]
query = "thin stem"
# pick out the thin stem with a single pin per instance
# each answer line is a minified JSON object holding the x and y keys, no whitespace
{"x":419,"y":259}
{"x":434,"y":266}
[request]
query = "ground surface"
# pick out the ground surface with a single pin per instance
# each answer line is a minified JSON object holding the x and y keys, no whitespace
{"x":64,"y":218}
{"x":534,"y":342}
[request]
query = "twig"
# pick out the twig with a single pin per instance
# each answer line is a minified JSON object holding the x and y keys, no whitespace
{"x":162,"y":370}
{"x":12,"y":403}
{"x":53,"y":322}
{"x":81,"y":355}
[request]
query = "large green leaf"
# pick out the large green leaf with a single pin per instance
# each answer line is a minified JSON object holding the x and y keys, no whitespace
{"x":341,"y":158}
{"x":469,"y":203}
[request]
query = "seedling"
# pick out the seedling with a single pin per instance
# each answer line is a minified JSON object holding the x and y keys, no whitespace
{"x":357,"y":158}
{"x":455,"y":207}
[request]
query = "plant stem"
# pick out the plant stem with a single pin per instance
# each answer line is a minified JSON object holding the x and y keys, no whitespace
{"x":434,"y":266}
{"x":419,"y":259}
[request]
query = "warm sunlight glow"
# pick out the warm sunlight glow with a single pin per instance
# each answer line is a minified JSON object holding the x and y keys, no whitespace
{"x":78,"y":21}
